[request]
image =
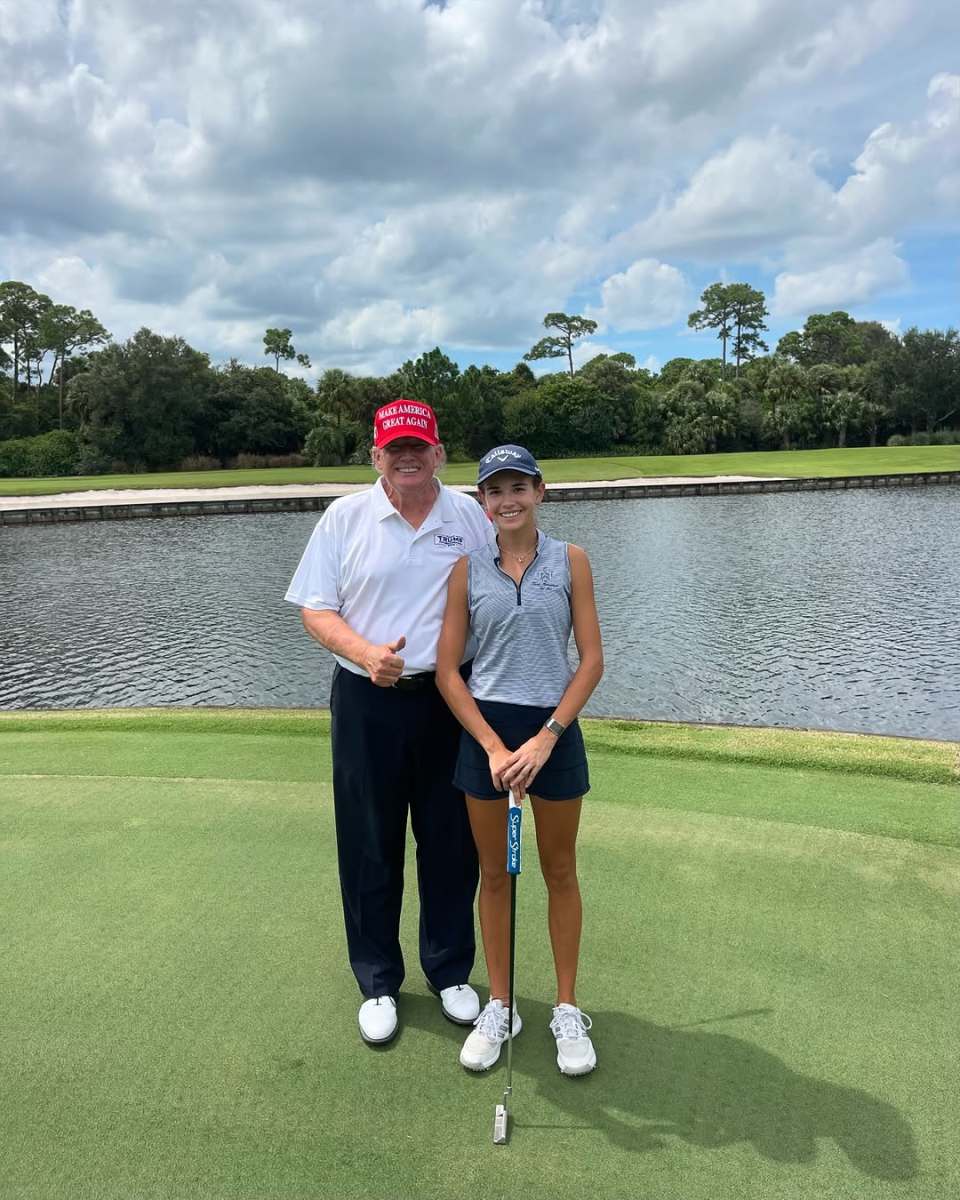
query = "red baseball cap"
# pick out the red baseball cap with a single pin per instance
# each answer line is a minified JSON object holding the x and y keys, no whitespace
{"x":405,"y":418}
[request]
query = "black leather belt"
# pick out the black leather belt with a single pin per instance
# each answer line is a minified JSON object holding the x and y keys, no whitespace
{"x":415,"y":683}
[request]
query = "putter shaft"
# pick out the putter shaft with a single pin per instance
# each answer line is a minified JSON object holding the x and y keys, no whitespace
{"x":514,"y":832}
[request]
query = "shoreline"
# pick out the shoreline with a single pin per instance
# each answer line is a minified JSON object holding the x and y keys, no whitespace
{"x":615,"y":721}
{"x":300,"y":490}
{"x":122,"y":504}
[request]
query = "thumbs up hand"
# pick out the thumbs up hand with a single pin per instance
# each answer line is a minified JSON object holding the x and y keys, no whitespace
{"x":383,"y":663}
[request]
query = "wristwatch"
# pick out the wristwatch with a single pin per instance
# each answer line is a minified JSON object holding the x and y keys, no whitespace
{"x":555,"y":727}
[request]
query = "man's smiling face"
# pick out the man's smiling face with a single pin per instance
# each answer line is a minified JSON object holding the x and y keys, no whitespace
{"x":407,"y":464}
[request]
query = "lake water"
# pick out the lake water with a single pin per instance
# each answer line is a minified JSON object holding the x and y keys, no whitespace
{"x":825,"y":610}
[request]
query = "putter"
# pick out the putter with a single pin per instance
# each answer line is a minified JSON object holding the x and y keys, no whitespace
{"x":514,"y":836}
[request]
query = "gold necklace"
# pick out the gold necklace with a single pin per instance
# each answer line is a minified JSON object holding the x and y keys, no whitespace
{"x":520,"y":558}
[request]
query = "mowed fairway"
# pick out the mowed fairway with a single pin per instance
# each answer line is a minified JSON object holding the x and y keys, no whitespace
{"x":856,"y":460}
{"x":770,"y":960}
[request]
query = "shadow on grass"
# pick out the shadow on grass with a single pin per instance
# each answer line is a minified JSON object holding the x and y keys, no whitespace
{"x":710,"y":1089}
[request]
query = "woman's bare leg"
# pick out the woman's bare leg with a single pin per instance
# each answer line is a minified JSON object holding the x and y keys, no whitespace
{"x":557,"y":824}
{"x":488,"y":820}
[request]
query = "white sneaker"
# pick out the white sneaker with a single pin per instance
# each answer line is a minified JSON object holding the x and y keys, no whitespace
{"x":460,"y":1004}
{"x":575,"y":1052}
{"x":378,"y":1019}
{"x":482,"y":1048}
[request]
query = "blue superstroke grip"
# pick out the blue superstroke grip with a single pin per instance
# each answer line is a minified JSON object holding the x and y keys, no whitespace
{"x":514,"y":832}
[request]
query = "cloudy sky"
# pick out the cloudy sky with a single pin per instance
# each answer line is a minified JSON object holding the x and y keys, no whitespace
{"x":384,"y":176}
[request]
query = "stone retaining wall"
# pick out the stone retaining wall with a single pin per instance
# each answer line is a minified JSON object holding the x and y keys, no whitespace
{"x":130,"y":510}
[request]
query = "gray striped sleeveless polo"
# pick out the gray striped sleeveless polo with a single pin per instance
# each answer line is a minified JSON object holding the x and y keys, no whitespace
{"x":522,"y":630}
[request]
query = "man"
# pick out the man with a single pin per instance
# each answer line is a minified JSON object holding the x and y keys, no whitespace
{"x":371,"y":587}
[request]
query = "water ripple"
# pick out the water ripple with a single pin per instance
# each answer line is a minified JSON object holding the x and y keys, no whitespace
{"x":828,"y":610}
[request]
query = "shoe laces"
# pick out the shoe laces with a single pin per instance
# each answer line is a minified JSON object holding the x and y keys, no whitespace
{"x":569,"y":1024}
{"x":492,"y":1022}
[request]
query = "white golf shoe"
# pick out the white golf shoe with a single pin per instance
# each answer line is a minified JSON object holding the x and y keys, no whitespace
{"x":575,"y":1052}
{"x":482,"y":1047}
{"x":460,"y":1004}
{"x":378,"y":1019}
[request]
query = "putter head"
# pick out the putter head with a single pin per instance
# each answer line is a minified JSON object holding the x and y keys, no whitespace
{"x":500,"y":1126}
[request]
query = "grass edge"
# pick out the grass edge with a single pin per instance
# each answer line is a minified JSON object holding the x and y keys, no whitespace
{"x":911,"y":759}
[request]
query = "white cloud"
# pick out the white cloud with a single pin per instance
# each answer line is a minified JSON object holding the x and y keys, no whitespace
{"x":854,"y":31}
{"x":697,"y":57}
{"x":903,"y":180}
{"x":908,"y":171}
{"x":385,"y":323}
{"x":383,"y":176}
{"x":27,"y":23}
{"x":70,"y":275}
{"x":586,"y":349}
{"x":741,"y":202}
{"x":648,"y":295}
{"x":846,"y":282}
{"x":762,"y":191}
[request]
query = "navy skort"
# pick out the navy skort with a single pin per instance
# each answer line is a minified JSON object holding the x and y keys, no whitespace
{"x":563,"y":776}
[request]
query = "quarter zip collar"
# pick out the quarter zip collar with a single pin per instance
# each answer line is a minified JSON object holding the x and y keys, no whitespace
{"x":536,"y":554}
{"x":495,"y":547}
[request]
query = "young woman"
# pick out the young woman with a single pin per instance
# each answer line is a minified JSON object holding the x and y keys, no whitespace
{"x":519,"y":597}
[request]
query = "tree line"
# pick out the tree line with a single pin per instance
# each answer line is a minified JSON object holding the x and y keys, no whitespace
{"x":73,"y":401}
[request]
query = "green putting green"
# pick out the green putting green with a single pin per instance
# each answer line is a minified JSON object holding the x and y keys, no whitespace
{"x":770,"y":960}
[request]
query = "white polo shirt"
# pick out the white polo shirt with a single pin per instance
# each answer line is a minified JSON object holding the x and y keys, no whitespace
{"x":385,"y":578}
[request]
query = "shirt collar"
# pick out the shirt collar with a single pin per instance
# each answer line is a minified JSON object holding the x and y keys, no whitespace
{"x":442,"y":510}
{"x":381,"y":501}
{"x":447,"y":507}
